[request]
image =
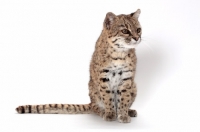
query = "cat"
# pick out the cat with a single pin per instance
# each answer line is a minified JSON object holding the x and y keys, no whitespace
{"x":112,"y":89}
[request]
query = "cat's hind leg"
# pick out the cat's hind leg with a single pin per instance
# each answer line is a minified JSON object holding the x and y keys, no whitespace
{"x":132,"y":113}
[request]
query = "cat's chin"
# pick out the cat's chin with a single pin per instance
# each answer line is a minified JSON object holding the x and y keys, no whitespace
{"x":132,"y":46}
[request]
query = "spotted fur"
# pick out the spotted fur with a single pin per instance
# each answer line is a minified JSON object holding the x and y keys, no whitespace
{"x":54,"y":109}
{"x":112,"y":70}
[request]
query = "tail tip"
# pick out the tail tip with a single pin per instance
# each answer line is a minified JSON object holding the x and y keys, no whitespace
{"x":19,"y":109}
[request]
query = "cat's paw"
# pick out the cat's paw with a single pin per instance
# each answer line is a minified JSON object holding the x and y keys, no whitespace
{"x":109,"y":116}
{"x":132,"y":113}
{"x":124,"y":119}
{"x":102,"y":113}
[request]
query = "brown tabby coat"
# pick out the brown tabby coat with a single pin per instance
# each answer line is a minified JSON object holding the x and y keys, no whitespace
{"x":112,"y":70}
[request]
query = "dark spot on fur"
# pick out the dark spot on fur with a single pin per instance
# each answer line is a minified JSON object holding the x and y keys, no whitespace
{"x":116,"y":34}
{"x":114,"y":59}
{"x":55,"y":105}
{"x":132,"y":14}
{"x":114,"y":40}
{"x":103,"y":87}
{"x":126,"y":25}
{"x":124,"y":90}
{"x":68,"y":107}
{"x":83,"y":107}
{"x":62,"y":106}
{"x":107,"y":91}
{"x":128,"y":71}
{"x":44,"y":107}
{"x":118,"y":92}
{"x":17,"y":109}
{"x":132,"y":94}
{"x":127,"y":78}
{"x":120,"y":73}
{"x":117,"y":44}
{"x":105,"y":70}
{"x":29,"y":107}
{"x":23,"y":110}
{"x":113,"y":74}
{"x":37,"y":108}
{"x":104,"y":79}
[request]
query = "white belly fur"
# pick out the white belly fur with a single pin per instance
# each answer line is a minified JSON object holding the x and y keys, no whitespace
{"x":114,"y":80}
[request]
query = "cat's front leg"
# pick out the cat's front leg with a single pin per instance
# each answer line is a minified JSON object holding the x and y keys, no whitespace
{"x":107,"y":97}
{"x":125,"y":96}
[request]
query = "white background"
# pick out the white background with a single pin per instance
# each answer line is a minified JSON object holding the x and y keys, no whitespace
{"x":45,"y":51}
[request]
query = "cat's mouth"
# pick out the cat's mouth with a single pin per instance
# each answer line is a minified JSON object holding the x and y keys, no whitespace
{"x":132,"y":44}
{"x":121,"y":43}
{"x":127,"y":45}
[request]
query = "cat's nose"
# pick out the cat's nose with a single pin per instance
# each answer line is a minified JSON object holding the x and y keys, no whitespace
{"x":136,"y":38}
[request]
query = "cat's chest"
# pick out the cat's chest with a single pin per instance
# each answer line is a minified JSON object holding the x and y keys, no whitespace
{"x":116,"y":75}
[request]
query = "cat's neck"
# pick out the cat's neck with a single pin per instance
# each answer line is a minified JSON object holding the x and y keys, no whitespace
{"x":107,"y":49}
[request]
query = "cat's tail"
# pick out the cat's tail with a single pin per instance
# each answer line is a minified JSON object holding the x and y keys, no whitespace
{"x":55,"y":109}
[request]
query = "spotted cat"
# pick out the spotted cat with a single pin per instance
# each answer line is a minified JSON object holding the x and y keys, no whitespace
{"x":112,"y":89}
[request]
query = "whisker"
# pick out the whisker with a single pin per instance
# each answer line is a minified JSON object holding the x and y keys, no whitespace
{"x":146,"y":44}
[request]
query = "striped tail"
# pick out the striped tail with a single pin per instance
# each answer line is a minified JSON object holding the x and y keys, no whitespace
{"x":55,"y":109}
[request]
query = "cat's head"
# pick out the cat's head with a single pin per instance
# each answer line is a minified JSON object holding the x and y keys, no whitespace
{"x":123,"y":31}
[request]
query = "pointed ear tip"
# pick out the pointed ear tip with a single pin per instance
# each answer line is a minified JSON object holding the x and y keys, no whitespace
{"x":139,"y":11}
{"x":110,"y":13}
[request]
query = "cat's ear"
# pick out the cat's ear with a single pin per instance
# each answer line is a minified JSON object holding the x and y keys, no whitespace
{"x":109,"y":20}
{"x":136,"y":14}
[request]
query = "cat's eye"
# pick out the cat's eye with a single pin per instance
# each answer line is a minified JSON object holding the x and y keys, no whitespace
{"x":138,"y":30}
{"x":125,"y":31}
